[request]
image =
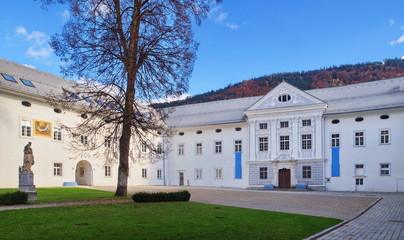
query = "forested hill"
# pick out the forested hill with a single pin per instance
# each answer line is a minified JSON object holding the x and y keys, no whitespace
{"x":323,"y":78}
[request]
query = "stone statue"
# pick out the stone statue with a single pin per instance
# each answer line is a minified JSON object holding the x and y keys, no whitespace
{"x":28,"y":159}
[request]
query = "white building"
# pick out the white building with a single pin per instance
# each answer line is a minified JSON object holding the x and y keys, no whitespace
{"x":344,"y":138}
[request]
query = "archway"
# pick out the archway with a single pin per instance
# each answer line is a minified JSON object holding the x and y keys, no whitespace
{"x":84,"y":173}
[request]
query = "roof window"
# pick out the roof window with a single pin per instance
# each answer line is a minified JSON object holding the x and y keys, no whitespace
{"x":8,"y":78}
{"x":73,"y":95}
{"x":27,"y":83}
{"x":87,"y":99}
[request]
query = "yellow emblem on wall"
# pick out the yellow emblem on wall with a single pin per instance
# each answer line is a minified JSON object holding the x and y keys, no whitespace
{"x":42,"y":128}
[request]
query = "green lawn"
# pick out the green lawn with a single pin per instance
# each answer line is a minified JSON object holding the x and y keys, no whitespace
{"x":176,"y":220}
{"x":68,"y":194}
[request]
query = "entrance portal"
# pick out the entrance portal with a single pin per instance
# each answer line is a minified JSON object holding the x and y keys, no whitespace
{"x":84,"y":173}
{"x":284,"y":178}
{"x":181,"y":175}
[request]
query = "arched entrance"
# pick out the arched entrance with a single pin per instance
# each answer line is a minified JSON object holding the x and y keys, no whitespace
{"x":84,"y":173}
{"x":284,"y":178}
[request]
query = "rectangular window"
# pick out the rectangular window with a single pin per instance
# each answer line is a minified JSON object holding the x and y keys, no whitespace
{"x":263,"y":141}
{"x":198,"y":173}
{"x":359,"y":181}
{"x":181,"y":149}
{"x":107,"y":142}
{"x":284,"y":142}
{"x":26,"y":128}
{"x":143,"y":148}
{"x":218,"y":147}
{"x":159,"y":174}
{"x":385,"y":169}
{"x":306,"y":141}
{"x":57,"y":133}
{"x":359,"y":139}
{"x":263,"y":173}
{"x":144,"y":172}
{"x":335,"y":141}
{"x":57,"y":169}
{"x":284,"y":124}
{"x":107,"y":171}
{"x":238,"y":146}
{"x":384,"y":137}
{"x":306,"y":122}
{"x":263,"y":125}
{"x":8,"y":78}
{"x":306,"y":171}
{"x":218,"y":173}
{"x":83,"y":140}
{"x":159,"y":148}
{"x":199,"y":149}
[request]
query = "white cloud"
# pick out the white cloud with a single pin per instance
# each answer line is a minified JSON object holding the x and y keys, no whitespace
{"x":398,"y":41}
{"x":29,"y":65}
{"x":232,"y":26}
{"x":391,"y":22}
{"x":38,"y":41}
{"x":21,"y":30}
{"x":64,"y":16}
{"x":402,"y":58}
{"x":221,"y":17}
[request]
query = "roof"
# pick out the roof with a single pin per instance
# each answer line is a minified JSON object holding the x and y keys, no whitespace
{"x":44,"y":83}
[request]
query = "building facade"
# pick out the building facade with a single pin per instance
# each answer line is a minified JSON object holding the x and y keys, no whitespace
{"x":343,"y":138}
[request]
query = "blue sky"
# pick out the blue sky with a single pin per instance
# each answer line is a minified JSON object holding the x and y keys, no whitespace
{"x":240,"y":39}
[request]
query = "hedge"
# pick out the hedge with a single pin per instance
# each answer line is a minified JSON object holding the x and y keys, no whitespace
{"x":12,"y":198}
{"x":180,"y":196}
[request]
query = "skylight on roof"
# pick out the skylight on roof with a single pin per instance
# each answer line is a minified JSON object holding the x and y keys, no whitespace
{"x":87,"y":99}
{"x":8,"y":78}
{"x":73,"y":95}
{"x":27,"y":83}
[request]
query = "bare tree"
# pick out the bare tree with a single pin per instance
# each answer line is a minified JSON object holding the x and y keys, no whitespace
{"x":137,"y":51}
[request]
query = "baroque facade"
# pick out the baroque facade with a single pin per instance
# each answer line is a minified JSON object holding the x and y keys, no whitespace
{"x":345,"y":138}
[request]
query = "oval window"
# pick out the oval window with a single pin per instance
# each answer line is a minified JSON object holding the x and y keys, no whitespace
{"x":26,"y":103}
{"x":238,"y":129}
{"x":359,"y":119}
{"x":181,"y":133}
{"x":57,"y":110}
{"x":198,"y":132}
{"x":384,"y":117}
{"x":335,"y":121}
{"x":84,"y":116}
{"x":218,"y":130}
{"x":284,"y":98}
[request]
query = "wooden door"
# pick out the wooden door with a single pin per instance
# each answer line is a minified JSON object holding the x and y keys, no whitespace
{"x":284,"y":178}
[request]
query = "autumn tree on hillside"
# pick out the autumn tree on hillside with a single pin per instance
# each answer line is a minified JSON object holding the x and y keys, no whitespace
{"x":137,"y":51}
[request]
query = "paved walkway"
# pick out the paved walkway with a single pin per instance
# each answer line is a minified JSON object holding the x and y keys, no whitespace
{"x":385,"y":220}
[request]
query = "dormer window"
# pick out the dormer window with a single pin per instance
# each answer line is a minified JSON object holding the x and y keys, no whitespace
{"x":284,"y":97}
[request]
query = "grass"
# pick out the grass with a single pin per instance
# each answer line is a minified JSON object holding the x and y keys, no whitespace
{"x":68,"y":194}
{"x":175,"y":220}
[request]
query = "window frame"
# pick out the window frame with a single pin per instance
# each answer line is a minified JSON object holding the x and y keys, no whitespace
{"x":238,"y":145}
{"x":28,"y":132}
{"x":218,"y":173}
{"x":27,"y":83}
{"x":7,"y":78}
{"x":57,"y":130}
{"x":307,"y":141}
{"x":143,"y":148}
{"x":306,"y":122}
{"x":57,"y":169}
{"x":384,"y":139}
{"x":283,"y":124}
{"x":306,"y":172}
{"x":144,"y":173}
{"x":284,"y":145}
{"x":263,"y":173}
{"x":218,"y":147}
{"x":107,"y":171}
{"x":84,"y":140}
{"x":159,"y":173}
{"x":263,"y":145}
{"x":198,"y":173}
{"x":107,"y":141}
{"x":181,"y":149}
{"x":263,"y":126}
{"x":335,"y":141}
{"x":359,"y":141}
{"x":383,"y":169}
{"x":198,"y":148}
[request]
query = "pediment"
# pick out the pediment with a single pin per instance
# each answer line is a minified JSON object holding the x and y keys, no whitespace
{"x":285,"y":95}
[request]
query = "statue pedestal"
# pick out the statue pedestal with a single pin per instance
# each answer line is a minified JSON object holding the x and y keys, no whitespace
{"x":26,"y":184}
